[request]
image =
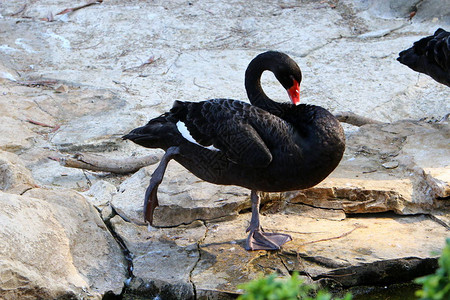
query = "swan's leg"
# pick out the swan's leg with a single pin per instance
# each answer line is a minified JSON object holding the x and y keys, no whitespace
{"x":258,"y":239}
{"x":151,"y":198}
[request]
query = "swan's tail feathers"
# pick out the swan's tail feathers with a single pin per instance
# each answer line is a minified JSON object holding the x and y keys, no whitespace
{"x":158,"y":133}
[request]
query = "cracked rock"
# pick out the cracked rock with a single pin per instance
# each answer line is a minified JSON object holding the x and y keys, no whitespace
{"x":100,"y":194}
{"x":14,"y":176}
{"x":55,"y":245}
{"x":364,"y":245}
{"x":163,"y":259}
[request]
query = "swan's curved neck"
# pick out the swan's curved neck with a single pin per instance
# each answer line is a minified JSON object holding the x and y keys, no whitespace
{"x":253,"y":87}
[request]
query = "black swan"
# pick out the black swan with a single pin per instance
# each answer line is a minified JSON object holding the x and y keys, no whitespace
{"x":266,"y":146}
{"x":430,"y":55}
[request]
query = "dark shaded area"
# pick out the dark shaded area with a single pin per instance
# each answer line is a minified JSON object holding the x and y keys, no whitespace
{"x":380,"y":273}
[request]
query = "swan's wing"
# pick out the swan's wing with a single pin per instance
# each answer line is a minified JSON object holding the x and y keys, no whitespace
{"x":441,"y":49}
{"x":223,"y":125}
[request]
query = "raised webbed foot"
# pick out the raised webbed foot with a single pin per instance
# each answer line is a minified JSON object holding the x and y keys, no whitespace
{"x":151,"y":198}
{"x":151,"y":201}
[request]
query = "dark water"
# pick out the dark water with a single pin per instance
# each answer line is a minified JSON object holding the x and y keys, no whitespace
{"x":393,"y":292}
{"x":403,"y":291}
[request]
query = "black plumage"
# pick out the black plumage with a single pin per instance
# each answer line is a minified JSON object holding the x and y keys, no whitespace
{"x":266,"y":146}
{"x":430,"y":55}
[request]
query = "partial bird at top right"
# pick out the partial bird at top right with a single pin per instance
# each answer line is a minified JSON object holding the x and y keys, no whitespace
{"x":430,"y":55}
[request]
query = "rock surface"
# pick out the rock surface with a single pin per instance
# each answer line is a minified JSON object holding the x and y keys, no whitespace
{"x":79,"y":80}
{"x":14,"y":176}
{"x":54,"y":245}
{"x":418,"y":175}
{"x":163,"y":258}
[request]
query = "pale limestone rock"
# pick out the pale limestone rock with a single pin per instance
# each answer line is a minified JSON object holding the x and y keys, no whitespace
{"x":79,"y":102}
{"x":129,"y":200}
{"x":429,"y":150}
{"x":107,"y":213}
{"x":15,"y":135}
{"x":390,"y":164}
{"x":14,"y":176}
{"x":17,"y":106}
{"x":62,"y":89}
{"x":309,"y":211}
{"x":94,"y":132}
{"x":54,"y":244}
{"x":50,"y":173}
{"x":443,"y":217}
{"x":7,"y":73}
{"x":100,"y":194}
{"x":365,"y":244}
{"x":183,"y":198}
{"x":163,"y":259}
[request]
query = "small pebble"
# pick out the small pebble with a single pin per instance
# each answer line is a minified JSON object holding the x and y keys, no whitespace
{"x":390,"y":165}
{"x":62,"y":89}
{"x":107,"y":213}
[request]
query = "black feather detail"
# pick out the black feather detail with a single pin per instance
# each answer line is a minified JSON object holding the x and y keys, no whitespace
{"x":264,"y":146}
{"x":430,"y":55}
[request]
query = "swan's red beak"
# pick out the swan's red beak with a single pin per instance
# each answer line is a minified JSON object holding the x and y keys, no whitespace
{"x":294,"y":93}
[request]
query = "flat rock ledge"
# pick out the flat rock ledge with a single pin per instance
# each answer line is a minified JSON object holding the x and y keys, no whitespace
{"x":208,"y":258}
